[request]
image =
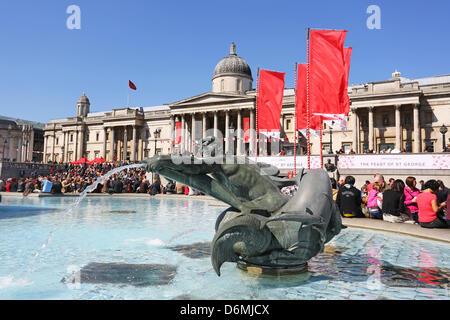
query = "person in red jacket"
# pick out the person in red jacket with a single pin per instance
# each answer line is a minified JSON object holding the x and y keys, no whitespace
{"x":429,"y":208}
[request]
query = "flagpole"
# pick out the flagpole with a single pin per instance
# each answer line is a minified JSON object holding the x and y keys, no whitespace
{"x":308,"y":135}
{"x":321,"y":152}
{"x":128,"y":97}
{"x":256,"y":118}
{"x":295,"y":121}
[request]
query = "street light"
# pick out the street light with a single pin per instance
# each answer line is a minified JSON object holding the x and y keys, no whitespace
{"x":331,"y":137}
{"x":156,"y":135}
{"x":443,"y":130}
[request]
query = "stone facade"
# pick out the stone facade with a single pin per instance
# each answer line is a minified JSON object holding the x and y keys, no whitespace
{"x":20,"y":142}
{"x":398,"y":113}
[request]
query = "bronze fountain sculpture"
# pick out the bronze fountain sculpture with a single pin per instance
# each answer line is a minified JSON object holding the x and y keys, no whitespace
{"x":263,"y":228}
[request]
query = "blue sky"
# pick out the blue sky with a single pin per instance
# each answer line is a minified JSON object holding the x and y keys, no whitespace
{"x":169,"y":48}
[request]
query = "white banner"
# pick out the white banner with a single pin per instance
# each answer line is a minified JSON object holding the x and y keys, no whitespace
{"x":287,"y":162}
{"x":397,"y":161}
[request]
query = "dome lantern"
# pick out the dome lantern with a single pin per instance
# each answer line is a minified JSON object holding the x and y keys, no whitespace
{"x":232,"y":74}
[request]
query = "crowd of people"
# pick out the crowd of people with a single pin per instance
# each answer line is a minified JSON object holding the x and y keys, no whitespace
{"x":397,"y":201}
{"x":75,"y":179}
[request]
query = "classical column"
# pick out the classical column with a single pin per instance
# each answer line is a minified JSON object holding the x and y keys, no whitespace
{"x":112,"y":143}
{"x":371,"y":128}
{"x":417,"y":142}
{"x":173,"y":132}
{"x":183,"y":134}
{"x":53,"y":145}
{"x":75,"y":148}
{"x":227,"y":131}
{"x":125,"y":143}
{"x":398,"y":129}
{"x":104,"y":143}
{"x":19,"y":148}
{"x":66,"y":145}
{"x":45,"y":147}
{"x":141,"y":144}
{"x":239,"y":133}
{"x":355,"y":129}
{"x":31,"y":144}
{"x":133,"y":146}
{"x":252,"y":133}
{"x":193,"y":134}
{"x":215,"y":123}
{"x":203,"y":125}
{"x":81,"y":143}
{"x":11,"y":148}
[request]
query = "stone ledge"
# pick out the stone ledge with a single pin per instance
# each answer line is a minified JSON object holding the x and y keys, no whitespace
{"x":400,"y":228}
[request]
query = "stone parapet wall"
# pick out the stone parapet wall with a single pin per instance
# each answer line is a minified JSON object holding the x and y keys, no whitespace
{"x":19,"y":170}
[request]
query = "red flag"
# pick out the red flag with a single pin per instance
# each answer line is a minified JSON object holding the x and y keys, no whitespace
{"x":270,"y":99}
{"x":131,"y":84}
{"x":246,"y":121}
{"x":177,"y":132}
{"x":347,"y":59}
{"x":300,"y":103}
{"x":327,"y":73}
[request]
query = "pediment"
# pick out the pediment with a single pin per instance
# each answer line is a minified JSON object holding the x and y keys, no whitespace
{"x":211,"y":98}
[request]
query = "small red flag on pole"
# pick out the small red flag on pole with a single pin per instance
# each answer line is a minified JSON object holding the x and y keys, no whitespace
{"x":131,"y":84}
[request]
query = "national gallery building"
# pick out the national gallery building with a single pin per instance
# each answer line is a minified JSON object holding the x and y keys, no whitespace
{"x":398,"y":113}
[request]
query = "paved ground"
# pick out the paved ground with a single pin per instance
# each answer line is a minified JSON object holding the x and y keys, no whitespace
{"x":364,"y":223}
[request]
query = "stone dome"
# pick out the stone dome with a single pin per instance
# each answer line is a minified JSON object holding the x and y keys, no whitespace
{"x":232,"y":65}
{"x":84,"y":99}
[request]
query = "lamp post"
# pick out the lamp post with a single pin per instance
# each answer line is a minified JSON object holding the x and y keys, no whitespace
{"x":443,"y":130}
{"x":230,"y":141}
{"x":156,"y":135}
{"x":331,"y":137}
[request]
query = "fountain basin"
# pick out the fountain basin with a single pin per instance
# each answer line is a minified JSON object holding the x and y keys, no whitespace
{"x":166,"y":241}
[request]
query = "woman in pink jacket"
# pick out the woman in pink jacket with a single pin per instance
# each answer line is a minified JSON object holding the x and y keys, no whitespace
{"x":411,"y":193}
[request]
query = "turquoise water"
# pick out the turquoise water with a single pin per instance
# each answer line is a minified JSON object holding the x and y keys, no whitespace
{"x":153,"y":248}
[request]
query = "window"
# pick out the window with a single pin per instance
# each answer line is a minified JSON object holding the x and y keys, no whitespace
{"x":71,"y":138}
{"x":326,"y":148}
{"x":57,"y":141}
{"x":429,"y":146}
{"x":365,"y":147}
{"x":386,"y":146}
{"x":222,"y":85}
{"x":97,"y":136}
{"x":385,"y":120}
{"x":288,"y":124}
{"x":97,"y":154}
{"x":364,"y":122}
{"x":238,"y":85}
{"x":408,"y":147}
{"x":107,"y":136}
{"x":407,"y":119}
{"x":87,"y":136}
{"x":347,"y":147}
